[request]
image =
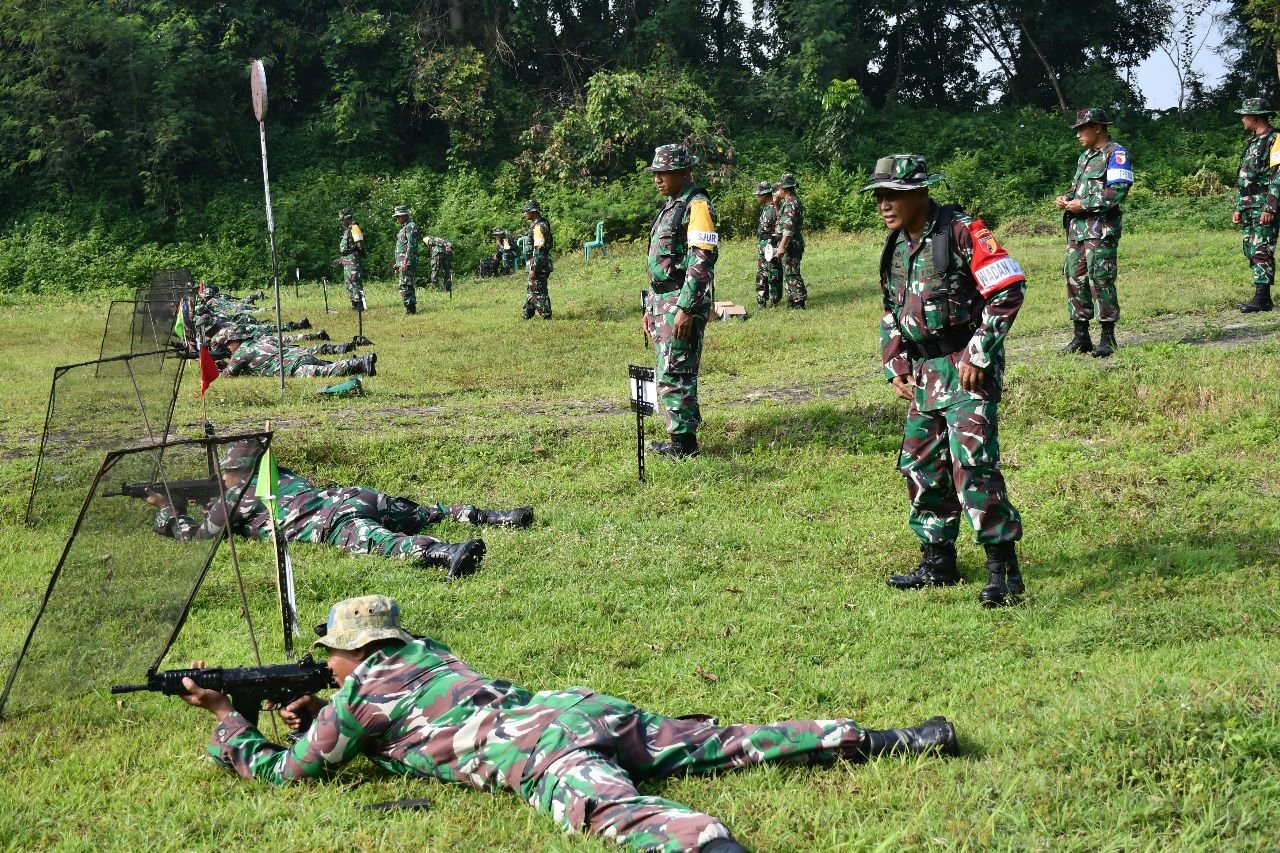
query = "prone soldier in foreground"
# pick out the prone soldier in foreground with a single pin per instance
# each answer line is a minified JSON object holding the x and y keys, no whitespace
{"x":414,"y":708}
{"x":254,"y":355}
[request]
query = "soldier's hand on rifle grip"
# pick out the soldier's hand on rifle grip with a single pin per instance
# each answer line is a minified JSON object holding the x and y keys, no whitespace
{"x":299,"y":714}
{"x":211,"y":700}
{"x":157,"y":500}
{"x":904,"y":386}
{"x":647,"y":322}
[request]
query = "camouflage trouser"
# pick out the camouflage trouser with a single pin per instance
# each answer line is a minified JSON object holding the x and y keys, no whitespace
{"x":678,"y":361}
{"x":1090,"y":271}
{"x":768,"y":277}
{"x":408,"y":293}
{"x":376,"y":524}
{"x":951,"y":459}
{"x":1259,"y":246}
{"x":353,"y":278}
{"x":441,"y":272}
{"x":537,"y":298}
{"x":607,"y":744}
{"x":796,"y":292}
{"x":327,"y":349}
{"x":346,"y":367}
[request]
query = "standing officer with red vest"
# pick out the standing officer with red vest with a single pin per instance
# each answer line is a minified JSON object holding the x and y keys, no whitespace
{"x":950,"y":295}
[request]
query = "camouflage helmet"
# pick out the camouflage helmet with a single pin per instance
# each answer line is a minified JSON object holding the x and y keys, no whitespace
{"x":531,"y":206}
{"x":1255,"y":107}
{"x":241,"y":456}
{"x":787,"y":181}
{"x":671,"y":158}
{"x":356,"y":622}
{"x":345,"y":213}
{"x":401,"y":210}
{"x":1092,"y":115}
{"x":901,"y":172}
{"x":764,"y":188}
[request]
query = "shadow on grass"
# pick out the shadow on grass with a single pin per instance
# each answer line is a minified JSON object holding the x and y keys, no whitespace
{"x":875,"y":429}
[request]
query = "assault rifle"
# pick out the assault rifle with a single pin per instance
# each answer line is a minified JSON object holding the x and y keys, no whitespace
{"x":247,"y":687}
{"x":179,"y":491}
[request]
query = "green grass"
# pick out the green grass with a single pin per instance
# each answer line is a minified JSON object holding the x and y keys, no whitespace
{"x":1131,"y":703}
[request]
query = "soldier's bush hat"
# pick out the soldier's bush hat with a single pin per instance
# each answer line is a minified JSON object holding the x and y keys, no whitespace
{"x":1091,"y":115}
{"x":787,"y":181}
{"x":497,"y":232}
{"x":345,"y":213}
{"x":531,"y":206}
{"x":901,"y":172}
{"x":356,"y":622}
{"x":241,"y":456}
{"x":1255,"y":107}
{"x":232,"y":333}
{"x":671,"y":158}
{"x":764,"y":188}
{"x":401,"y":210}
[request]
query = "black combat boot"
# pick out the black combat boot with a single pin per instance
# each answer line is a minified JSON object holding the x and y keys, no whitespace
{"x":937,"y":568}
{"x":304,"y":323}
{"x":1107,"y":343}
{"x":1081,"y":342}
{"x":682,"y":444}
{"x":722,"y":845}
{"x":936,"y":734}
{"x":521,"y":516}
{"x":1261,"y":300}
{"x":460,"y":560}
{"x":355,"y":305}
{"x":1004,"y":580}
{"x":322,"y":335}
{"x":366,"y":364}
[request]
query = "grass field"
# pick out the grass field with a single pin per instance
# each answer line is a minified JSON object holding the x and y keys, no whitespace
{"x":1130,"y":703}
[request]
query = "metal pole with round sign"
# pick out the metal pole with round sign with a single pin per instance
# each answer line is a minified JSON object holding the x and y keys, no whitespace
{"x":258,"y":85}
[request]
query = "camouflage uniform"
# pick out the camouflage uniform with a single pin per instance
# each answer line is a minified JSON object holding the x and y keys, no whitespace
{"x":504,"y":253}
{"x":1102,"y":180}
{"x":261,"y":357}
{"x":417,"y":710}
{"x":790,"y":223}
{"x":407,"y":261}
{"x":541,"y":242}
{"x":351,"y":255}
{"x":768,"y":269}
{"x":1258,"y":189}
{"x":355,"y":519}
{"x":441,"y":262}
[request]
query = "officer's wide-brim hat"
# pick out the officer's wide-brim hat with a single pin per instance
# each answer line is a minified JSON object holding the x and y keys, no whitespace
{"x":531,"y":206}
{"x":497,"y":232}
{"x":356,"y":622}
{"x":787,"y":181}
{"x":1092,"y":115}
{"x":401,"y":210}
{"x":345,"y":213}
{"x":671,"y":158}
{"x":901,"y":172}
{"x":1255,"y":107}
{"x":764,"y":188}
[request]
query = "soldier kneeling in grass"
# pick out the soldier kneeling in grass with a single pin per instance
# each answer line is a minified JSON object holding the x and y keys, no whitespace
{"x":412,"y":707}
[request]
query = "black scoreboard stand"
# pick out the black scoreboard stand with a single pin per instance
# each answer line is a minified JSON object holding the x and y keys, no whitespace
{"x":644,"y":401}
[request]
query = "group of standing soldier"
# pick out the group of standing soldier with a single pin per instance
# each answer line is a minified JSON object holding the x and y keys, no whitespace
{"x":779,"y":244}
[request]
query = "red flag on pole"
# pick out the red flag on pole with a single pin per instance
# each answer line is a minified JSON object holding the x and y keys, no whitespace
{"x":208,"y":370}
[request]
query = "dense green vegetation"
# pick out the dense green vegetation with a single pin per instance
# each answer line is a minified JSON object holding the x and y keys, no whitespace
{"x":1130,"y":703}
{"x":128,"y":141}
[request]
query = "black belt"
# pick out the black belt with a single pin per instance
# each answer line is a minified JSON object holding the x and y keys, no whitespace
{"x":952,"y":340}
{"x":664,"y":287}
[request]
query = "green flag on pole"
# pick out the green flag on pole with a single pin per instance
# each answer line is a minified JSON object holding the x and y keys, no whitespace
{"x":267,"y":485}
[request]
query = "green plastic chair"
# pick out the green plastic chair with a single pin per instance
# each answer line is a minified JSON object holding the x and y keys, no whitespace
{"x":522,"y":246}
{"x":597,"y":243}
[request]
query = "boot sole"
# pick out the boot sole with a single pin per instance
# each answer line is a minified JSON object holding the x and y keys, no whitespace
{"x":468,"y":561}
{"x":923,"y":584}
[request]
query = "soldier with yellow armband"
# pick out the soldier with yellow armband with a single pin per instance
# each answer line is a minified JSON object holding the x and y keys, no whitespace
{"x":540,"y":245}
{"x":351,"y":258}
{"x":682,"y":257}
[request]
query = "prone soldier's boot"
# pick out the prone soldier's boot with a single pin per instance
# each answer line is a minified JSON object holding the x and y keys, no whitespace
{"x":936,"y":734}
{"x":322,"y":335}
{"x":682,"y":444}
{"x":458,"y":560}
{"x":1081,"y":342}
{"x":521,"y":516}
{"x":304,"y":323}
{"x":1004,"y":579}
{"x":1261,"y":300}
{"x":722,"y":845}
{"x":366,"y":364}
{"x":937,"y":568}
{"x":1107,"y":343}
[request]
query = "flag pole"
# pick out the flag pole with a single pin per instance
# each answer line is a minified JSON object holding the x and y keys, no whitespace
{"x":258,"y":85}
